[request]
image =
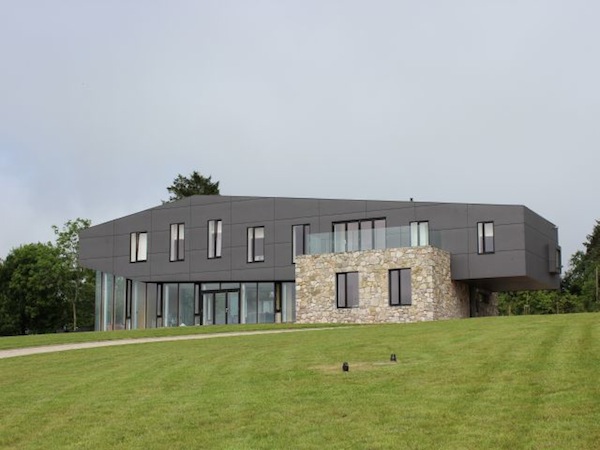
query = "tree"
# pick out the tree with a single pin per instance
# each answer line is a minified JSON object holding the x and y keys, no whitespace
{"x":79,"y":282}
{"x":582,"y":277}
{"x":31,"y":290}
{"x":195,"y":184}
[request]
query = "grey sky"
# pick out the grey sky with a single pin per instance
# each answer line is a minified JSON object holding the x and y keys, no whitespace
{"x":103,"y":103}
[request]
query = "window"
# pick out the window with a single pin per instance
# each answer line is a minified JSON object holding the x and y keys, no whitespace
{"x":299,"y":240}
{"x":400,"y":287}
{"x":138,"y":247}
{"x":215,"y":238}
{"x":347,"y":290}
{"x":485,"y":237}
{"x":419,"y":233}
{"x":256,"y":244}
{"x":177,"y":243}
{"x":356,"y":235}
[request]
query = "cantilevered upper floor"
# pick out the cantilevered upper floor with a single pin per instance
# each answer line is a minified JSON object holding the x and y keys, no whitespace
{"x":230,"y":238}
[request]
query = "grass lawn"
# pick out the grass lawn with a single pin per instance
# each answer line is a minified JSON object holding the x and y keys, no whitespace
{"x":508,"y":382}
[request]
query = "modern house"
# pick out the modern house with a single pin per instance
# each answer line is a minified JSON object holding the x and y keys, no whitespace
{"x":226,"y":259}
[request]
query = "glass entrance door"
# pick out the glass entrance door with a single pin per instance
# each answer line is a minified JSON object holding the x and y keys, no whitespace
{"x":221,"y":307}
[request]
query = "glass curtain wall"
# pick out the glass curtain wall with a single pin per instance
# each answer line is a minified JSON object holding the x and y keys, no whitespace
{"x":288,"y":302}
{"x":186,"y":304}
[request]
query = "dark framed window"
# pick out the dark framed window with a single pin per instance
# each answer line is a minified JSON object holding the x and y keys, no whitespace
{"x":353,"y":235}
{"x":419,"y":233}
{"x":400,"y":287}
{"x":215,"y":238}
{"x":138,"y":246}
{"x":256,"y":244}
{"x":485,"y":237}
{"x":177,"y":249}
{"x":346,"y":288}
{"x":299,"y":240}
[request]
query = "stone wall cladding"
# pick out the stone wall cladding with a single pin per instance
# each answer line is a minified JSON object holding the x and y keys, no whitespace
{"x":434,"y":295}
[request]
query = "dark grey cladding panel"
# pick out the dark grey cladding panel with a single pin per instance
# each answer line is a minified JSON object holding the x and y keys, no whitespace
{"x":239,"y":258}
{"x":537,"y":268}
{"x":103,"y":229}
{"x":122,"y":246}
{"x":197,"y":238}
{"x":201,"y":214}
{"x":96,"y":247}
{"x":443,"y":216}
{"x":343,"y":207}
{"x":211,"y":276}
{"x":499,"y":214}
{"x":163,"y":218}
{"x":252,"y":211}
{"x":285,"y":273}
{"x":508,"y":237}
{"x":101,"y":264}
{"x":215,"y":199}
{"x":499,"y":264}
{"x":293,"y":208}
{"x":539,"y":243}
{"x":459,"y":266}
{"x":199,"y":262}
{"x":141,"y":221}
{"x":139,"y":270}
{"x":377,"y":205}
{"x":455,"y":241}
{"x":283,"y":254}
{"x":182,"y":203}
{"x":538,"y":222}
{"x":159,"y":242}
{"x":254,"y":274}
{"x":162,"y":266}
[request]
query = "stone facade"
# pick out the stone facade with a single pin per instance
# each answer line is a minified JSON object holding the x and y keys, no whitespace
{"x":434,"y":295}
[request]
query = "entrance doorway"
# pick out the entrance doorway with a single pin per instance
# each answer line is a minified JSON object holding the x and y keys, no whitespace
{"x":221,"y":307}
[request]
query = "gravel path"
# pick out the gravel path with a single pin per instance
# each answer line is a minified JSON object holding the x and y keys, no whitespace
{"x":82,"y":345}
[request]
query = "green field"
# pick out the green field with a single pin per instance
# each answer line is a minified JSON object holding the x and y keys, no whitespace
{"x":508,"y":382}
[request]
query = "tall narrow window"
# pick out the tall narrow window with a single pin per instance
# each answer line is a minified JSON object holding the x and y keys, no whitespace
{"x":485,"y":237}
{"x":347,"y":290}
{"x":138,"y":246}
{"x":256,"y":244}
{"x":419,"y":233}
{"x":215,"y":238}
{"x":353,"y":235}
{"x":177,"y":251}
{"x":400,"y":287}
{"x":299,"y":240}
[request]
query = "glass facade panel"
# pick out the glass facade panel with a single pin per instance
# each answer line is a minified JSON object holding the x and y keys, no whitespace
{"x":98,"y":303}
{"x":423,"y":233}
{"x":107,"y":297}
{"x":299,"y":240}
{"x":142,"y":247}
{"x":379,"y":234}
{"x":341,"y":290}
{"x":405,"y":287}
{"x":151,"y":305}
{"x":186,"y":304}
{"x":250,"y":302}
{"x":139,"y":305}
{"x":339,"y":237}
{"x":352,"y":289}
{"x":219,"y":243}
{"x":170,"y":301}
{"x":211,"y":239}
{"x":352,"y":238}
{"x":259,"y":244}
{"x":220,"y":299}
{"x":119,"y":307}
{"x":207,"y":308}
{"x":288,"y":302}
{"x":366,"y":235}
{"x":266,"y":302}
{"x":233,"y":307}
{"x":394,"y":287}
{"x":485,"y":237}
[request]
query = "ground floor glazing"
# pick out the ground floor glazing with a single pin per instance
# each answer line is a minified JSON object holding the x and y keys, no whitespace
{"x":123,"y":304}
